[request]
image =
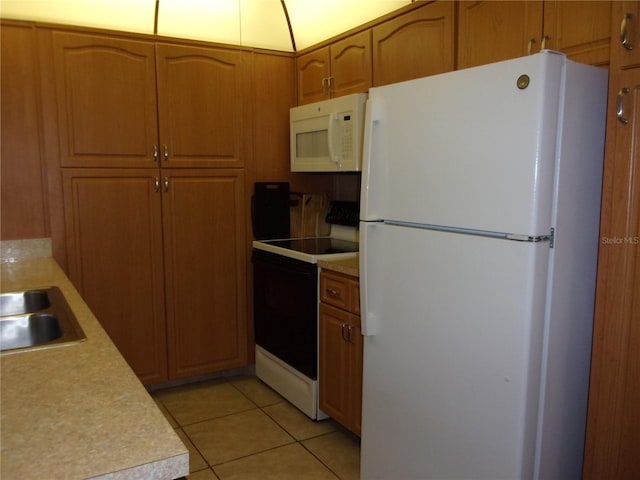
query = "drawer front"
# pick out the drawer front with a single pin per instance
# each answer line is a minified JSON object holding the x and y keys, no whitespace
{"x":339,"y":290}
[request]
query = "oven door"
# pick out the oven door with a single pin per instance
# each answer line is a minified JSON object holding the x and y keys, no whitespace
{"x":285,"y":309}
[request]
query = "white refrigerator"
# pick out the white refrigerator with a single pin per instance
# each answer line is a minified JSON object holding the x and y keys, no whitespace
{"x":479,"y":227}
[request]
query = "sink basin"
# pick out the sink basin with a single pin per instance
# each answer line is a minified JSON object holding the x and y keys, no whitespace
{"x":29,"y":330}
{"x":37,"y":319}
{"x":23,"y":302}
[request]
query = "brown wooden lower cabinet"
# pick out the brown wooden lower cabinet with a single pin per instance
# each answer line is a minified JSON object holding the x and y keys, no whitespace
{"x":341,"y":348}
{"x":205,"y":272}
{"x":159,"y":259}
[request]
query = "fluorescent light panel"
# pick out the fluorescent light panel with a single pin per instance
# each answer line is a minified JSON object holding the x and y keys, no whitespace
{"x":127,"y":15}
{"x":255,"y":23}
{"x":316,"y":20}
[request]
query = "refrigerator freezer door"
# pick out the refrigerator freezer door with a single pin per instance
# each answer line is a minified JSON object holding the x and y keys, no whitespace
{"x":473,"y":148}
{"x":451,"y":375}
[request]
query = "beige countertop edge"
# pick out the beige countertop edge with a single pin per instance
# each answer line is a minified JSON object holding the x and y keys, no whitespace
{"x":348,"y":266}
{"x":78,"y":411}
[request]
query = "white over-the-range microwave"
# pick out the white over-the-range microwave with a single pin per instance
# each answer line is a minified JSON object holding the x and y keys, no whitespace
{"x":327,"y":136}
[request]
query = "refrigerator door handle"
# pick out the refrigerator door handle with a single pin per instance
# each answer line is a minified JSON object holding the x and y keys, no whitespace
{"x":368,"y":278}
{"x":372,"y":118}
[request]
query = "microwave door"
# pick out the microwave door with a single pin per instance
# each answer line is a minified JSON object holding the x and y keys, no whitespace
{"x":327,"y":136}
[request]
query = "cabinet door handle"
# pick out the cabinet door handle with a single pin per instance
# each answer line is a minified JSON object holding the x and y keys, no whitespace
{"x":156,"y":184}
{"x":543,"y":45}
{"x":620,"y":105}
{"x":624,"y":31}
{"x":325,"y":89}
{"x":531,"y":43}
{"x":345,"y":335}
{"x":166,"y":184}
{"x":332,"y":84}
{"x":166,"y":152}
{"x":155,"y":153}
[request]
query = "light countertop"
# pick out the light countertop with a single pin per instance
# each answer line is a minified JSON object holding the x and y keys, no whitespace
{"x":348,"y":266}
{"x":78,"y":411}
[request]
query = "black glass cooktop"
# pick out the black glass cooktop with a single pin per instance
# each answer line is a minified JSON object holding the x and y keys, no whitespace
{"x":316,"y":245}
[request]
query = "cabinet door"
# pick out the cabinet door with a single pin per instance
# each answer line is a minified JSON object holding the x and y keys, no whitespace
{"x":357,"y":342}
{"x":24,"y":201}
{"x":106,"y":100}
{"x":492,"y":31}
{"x":333,"y":370}
{"x":205,"y":250}
{"x":200,"y":106}
{"x":614,"y":395}
{"x":626,"y":45}
{"x":313,"y":76}
{"x":413,"y":45}
{"x":340,"y":369}
{"x":351,"y":64}
{"x":582,"y":29}
{"x":114,"y":238}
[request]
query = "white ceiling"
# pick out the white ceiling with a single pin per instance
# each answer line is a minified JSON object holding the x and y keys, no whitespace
{"x":255,"y":23}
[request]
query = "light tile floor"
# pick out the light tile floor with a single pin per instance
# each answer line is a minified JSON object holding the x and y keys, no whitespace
{"x":240,"y":429}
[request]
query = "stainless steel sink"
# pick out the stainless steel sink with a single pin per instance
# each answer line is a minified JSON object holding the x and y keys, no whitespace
{"x":37,"y":319}
{"x":23,"y":302}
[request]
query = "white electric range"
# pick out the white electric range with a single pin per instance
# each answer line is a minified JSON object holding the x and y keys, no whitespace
{"x":286,"y":311}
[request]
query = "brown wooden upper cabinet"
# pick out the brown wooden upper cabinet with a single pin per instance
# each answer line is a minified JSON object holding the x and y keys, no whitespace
{"x":200,"y":96}
{"x":416,"y":44}
{"x":106,"y":95}
{"x":338,"y":69}
{"x":491,"y":31}
{"x":111,"y":114}
{"x":582,"y":30}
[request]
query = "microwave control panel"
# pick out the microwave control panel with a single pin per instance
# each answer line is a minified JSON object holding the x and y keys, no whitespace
{"x":347,"y":136}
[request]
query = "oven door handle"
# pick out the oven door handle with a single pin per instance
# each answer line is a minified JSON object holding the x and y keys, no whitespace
{"x":280,"y":264}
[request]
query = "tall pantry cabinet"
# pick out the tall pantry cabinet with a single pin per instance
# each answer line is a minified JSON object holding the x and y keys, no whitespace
{"x":613,"y":439}
{"x":151,"y":149}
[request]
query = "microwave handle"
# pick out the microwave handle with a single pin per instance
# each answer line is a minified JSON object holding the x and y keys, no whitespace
{"x":333,"y":117}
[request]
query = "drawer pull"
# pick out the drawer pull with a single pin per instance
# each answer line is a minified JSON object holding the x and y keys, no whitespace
{"x":333,"y":293}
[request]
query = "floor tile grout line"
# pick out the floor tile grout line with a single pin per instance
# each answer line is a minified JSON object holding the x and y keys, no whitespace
{"x":208,"y":419}
{"x":199,"y":452}
{"x":293,"y":441}
{"x":318,"y":458}
{"x":252,"y":454}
